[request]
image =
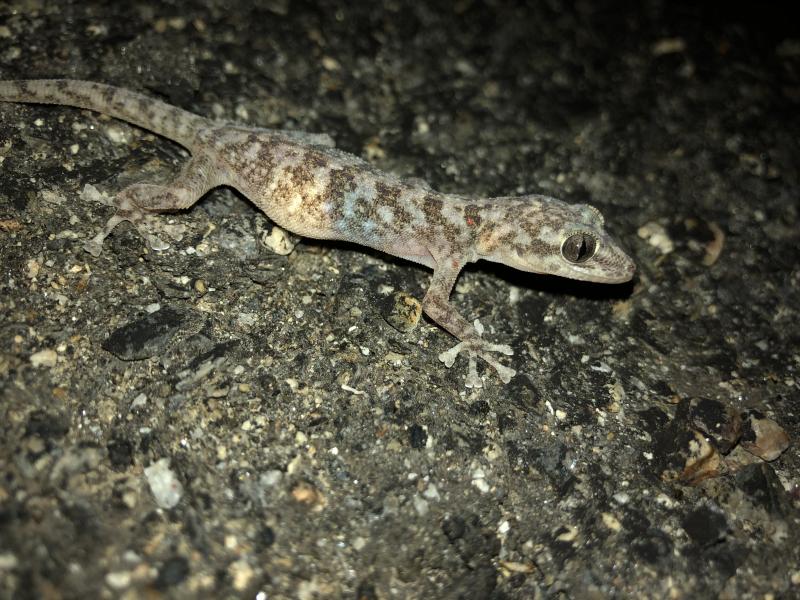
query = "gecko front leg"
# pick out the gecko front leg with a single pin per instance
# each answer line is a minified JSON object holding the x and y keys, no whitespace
{"x":437,"y":306}
{"x":137,"y":201}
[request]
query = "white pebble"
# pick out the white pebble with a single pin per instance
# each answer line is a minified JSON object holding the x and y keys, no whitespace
{"x":44,"y":358}
{"x":164,"y":485}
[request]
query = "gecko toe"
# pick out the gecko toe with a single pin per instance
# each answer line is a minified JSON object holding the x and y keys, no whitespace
{"x":480,"y":349}
{"x":503,"y":372}
{"x":473,"y":380}
{"x":500,"y":348}
{"x":448,"y":357}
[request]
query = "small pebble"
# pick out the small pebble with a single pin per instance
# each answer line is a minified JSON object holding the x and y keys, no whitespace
{"x":279,"y":240}
{"x":241,"y":574}
{"x":8,"y":561}
{"x":717,"y":420}
{"x":655,"y":235}
{"x":307,"y":494}
{"x":611,"y":522}
{"x":404,"y":312}
{"x":479,"y":480}
{"x":762,"y":436}
{"x":164,"y":484}
{"x":421,"y":506}
{"x":44,"y":358}
{"x":702,"y":462}
{"x":118,"y":580}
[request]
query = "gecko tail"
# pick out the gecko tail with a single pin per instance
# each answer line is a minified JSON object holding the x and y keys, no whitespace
{"x":169,"y":121}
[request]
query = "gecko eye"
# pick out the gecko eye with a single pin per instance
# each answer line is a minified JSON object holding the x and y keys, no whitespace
{"x":579,"y":247}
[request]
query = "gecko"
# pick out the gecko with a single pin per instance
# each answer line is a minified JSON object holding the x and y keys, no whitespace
{"x":305,"y":185}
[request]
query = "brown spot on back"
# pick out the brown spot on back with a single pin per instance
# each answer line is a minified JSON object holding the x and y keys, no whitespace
{"x":438,"y":225}
{"x":389,"y":196}
{"x":531,"y":228}
{"x":340,"y":182}
{"x":316,"y":160}
{"x":303,"y":172}
{"x":472,"y":215}
{"x":432,"y":207}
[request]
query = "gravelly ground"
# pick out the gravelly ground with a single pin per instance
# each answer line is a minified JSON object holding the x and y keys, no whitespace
{"x":321,"y":453}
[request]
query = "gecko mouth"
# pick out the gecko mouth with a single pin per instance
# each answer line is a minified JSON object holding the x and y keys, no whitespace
{"x":617,"y":273}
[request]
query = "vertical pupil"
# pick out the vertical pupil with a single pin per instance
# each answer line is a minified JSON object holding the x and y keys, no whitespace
{"x":579,"y":247}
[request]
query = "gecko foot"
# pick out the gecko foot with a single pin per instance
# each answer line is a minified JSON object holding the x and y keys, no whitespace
{"x":144,"y":224}
{"x":127,"y":210}
{"x":480,"y":349}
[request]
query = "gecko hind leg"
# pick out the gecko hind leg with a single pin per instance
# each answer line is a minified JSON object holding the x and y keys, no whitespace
{"x":133,"y":212}
{"x":137,"y":202}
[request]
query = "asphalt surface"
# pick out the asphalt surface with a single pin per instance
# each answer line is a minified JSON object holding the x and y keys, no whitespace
{"x":217,"y":420}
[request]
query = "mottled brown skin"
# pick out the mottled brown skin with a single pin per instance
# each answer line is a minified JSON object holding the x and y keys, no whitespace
{"x":309,"y":187}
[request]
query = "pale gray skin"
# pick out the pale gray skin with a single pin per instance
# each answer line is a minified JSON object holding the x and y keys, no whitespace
{"x":309,"y":187}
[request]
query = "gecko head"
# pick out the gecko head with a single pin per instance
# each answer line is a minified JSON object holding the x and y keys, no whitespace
{"x":544,"y":235}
